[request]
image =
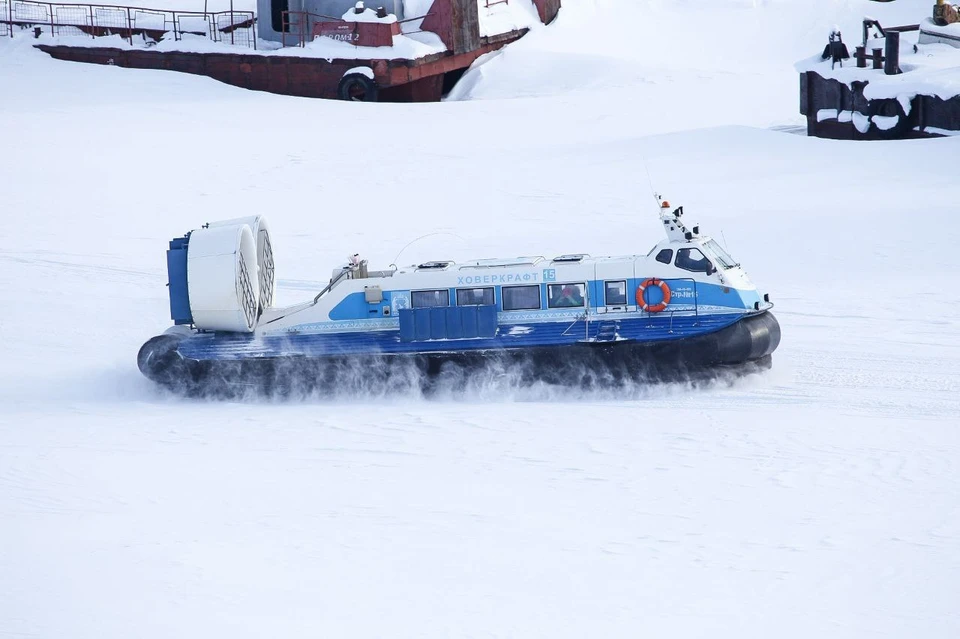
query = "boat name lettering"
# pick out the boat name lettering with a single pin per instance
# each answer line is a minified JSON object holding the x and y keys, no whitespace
{"x":506,"y":278}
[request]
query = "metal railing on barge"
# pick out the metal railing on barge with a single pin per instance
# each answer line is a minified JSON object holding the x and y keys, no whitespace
{"x":96,"y":20}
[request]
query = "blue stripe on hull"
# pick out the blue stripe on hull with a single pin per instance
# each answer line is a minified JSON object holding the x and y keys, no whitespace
{"x":655,"y":328}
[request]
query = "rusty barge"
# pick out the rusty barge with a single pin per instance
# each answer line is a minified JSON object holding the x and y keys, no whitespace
{"x":338,"y":49}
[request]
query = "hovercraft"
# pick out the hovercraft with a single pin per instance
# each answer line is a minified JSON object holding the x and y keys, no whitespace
{"x":685,"y":308}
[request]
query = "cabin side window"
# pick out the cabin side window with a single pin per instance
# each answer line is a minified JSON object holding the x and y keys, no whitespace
{"x":665,"y":256}
{"x":565,"y":295}
{"x":475,"y":296}
{"x":615,"y":293}
{"x":521,"y":298}
{"x":430,"y":299}
{"x":692,"y":259}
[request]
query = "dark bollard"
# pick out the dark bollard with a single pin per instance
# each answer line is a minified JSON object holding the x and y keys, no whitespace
{"x":877,"y":58}
{"x":891,"y":62}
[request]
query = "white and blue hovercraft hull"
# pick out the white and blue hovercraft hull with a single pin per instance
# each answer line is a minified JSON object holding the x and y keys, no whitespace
{"x":689,"y":349}
{"x":642,"y":317}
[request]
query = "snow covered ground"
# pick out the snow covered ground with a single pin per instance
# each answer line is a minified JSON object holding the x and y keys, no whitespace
{"x":818,"y":499}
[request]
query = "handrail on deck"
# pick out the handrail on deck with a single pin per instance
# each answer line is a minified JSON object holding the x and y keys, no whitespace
{"x":522,"y":261}
{"x":100,"y":19}
{"x":304,"y":25}
{"x":346,"y":270}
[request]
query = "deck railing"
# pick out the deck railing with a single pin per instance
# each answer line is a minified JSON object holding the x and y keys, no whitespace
{"x":676,"y":305}
{"x":58,"y":18}
{"x":297,"y":27}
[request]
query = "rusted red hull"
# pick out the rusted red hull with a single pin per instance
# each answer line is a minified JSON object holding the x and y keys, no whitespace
{"x":419,"y":80}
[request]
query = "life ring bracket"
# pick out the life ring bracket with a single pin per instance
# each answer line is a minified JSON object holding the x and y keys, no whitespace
{"x":642,"y":300}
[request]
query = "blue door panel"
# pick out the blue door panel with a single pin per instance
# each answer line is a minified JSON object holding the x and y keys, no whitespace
{"x":438,"y":323}
{"x":486,"y":321}
{"x":421,"y":319}
{"x":454,"y":325}
{"x":447,"y":322}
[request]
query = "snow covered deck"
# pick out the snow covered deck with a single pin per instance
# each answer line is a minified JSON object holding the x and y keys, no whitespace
{"x":931,"y":33}
{"x":845,"y":101}
{"x":288,"y":72}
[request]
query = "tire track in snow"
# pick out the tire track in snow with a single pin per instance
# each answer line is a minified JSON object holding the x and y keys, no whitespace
{"x":96,"y":265}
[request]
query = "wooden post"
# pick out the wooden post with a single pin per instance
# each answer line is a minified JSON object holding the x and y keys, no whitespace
{"x":891,"y":58}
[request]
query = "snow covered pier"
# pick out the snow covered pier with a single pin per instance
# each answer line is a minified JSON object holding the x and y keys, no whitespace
{"x":888,"y":89}
{"x":365,"y":55}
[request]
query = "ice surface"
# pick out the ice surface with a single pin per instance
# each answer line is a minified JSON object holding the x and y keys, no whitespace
{"x":817,"y":500}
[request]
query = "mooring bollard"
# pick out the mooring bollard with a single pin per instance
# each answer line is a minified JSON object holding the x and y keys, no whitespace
{"x":877,"y":58}
{"x":891,"y":63}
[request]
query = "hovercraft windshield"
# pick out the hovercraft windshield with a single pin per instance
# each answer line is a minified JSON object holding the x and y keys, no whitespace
{"x":721,"y":257}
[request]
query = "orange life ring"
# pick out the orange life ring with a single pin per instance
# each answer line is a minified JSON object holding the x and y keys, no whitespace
{"x":653,"y":308}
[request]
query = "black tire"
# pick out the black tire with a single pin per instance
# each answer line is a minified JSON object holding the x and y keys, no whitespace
{"x":357,"y":87}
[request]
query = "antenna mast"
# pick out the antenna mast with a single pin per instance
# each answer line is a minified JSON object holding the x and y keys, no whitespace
{"x":653,"y":191}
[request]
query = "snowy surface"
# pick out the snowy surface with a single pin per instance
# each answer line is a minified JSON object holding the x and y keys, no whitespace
{"x":817,"y":500}
{"x":507,"y":16}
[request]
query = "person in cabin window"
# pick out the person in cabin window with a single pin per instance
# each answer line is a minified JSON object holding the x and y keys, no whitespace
{"x":570,"y":295}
